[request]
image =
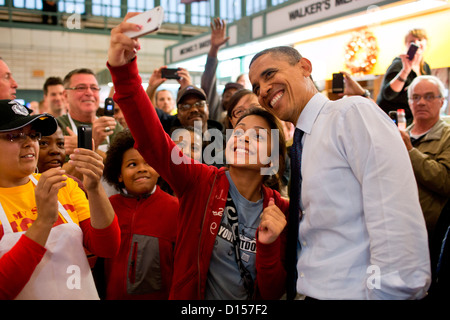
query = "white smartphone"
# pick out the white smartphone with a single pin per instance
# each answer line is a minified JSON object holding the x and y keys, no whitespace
{"x":150,"y":21}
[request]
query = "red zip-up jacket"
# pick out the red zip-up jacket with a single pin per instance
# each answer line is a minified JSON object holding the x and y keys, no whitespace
{"x":202,"y":192}
{"x":143,"y":267}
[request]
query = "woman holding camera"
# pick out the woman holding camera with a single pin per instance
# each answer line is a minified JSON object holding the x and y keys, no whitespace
{"x":402,"y":72}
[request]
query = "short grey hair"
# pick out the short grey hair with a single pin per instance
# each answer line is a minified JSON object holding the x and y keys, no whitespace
{"x":433,"y":79}
{"x":68,"y":77}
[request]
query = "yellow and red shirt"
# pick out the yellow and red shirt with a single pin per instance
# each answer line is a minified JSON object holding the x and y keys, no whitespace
{"x":20,"y":207}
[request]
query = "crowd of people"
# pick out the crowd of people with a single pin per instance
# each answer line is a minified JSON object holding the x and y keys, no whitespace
{"x":271,"y":193}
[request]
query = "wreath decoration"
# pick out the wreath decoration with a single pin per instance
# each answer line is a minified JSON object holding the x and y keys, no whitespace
{"x":361,"y":52}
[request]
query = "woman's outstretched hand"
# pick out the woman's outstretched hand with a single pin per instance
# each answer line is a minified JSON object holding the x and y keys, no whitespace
{"x":122,"y":49}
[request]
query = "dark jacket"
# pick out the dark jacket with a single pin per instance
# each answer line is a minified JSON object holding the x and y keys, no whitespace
{"x":430,"y":159}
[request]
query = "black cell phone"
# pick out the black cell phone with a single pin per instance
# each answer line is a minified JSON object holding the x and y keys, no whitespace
{"x":337,"y":84}
{"x":412,"y":50}
{"x":393,"y":116}
{"x":170,"y":73}
{"x":109,"y":107}
{"x":84,"y":137}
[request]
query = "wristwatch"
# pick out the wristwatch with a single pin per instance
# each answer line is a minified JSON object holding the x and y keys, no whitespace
{"x":366,"y":93}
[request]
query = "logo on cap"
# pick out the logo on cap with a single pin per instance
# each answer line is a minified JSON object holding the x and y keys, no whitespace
{"x":18,"y":108}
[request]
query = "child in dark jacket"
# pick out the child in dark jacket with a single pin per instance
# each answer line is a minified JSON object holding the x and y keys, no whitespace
{"x":148,"y":221}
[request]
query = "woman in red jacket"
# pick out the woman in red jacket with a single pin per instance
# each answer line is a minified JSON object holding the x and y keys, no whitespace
{"x":230,"y":230}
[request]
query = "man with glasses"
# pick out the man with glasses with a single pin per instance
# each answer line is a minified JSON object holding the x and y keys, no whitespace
{"x":192,"y":106}
{"x":82,"y":94}
{"x":428,"y":142}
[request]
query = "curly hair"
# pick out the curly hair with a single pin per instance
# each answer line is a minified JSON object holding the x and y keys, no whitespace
{"x":114,"y":157}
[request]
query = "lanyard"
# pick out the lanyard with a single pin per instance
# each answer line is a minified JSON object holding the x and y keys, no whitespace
{"x":74,"y":127}
{"x":234,"y":223}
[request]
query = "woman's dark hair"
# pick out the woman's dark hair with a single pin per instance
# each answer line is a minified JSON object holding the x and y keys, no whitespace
{"x":273,"y":181}
{"x":114,"y":156}
{"x":238,"y":95}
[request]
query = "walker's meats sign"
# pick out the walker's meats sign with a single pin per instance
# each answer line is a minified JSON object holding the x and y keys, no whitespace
{"x":284,"y":19}
{"x":305,"y":12}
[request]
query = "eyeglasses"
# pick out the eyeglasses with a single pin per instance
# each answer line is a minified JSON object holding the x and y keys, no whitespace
{"x":186,"y":107}
{"x":21,"y":136}
{"x":82,"y":88}
{"x":428,"y":97}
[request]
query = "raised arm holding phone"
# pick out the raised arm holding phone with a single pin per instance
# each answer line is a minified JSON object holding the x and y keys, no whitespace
{"x":207,"y":265}
{"x":402,"y":72}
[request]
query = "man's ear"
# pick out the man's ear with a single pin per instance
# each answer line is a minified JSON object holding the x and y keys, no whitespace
{"x":442,"y":102}
{"x":306,"y":66}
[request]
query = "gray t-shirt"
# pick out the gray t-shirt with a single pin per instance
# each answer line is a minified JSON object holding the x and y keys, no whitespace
{"x":224,"y":279}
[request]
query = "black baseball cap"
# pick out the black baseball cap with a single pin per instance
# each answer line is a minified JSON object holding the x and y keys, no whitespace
{"x":14,"y":116}
{"x":190,"y":90}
